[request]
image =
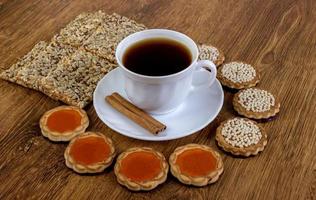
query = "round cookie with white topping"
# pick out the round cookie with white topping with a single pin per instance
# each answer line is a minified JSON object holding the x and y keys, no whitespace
{"x":256,"y":103}
{"x":238,"y":75}
{"x":241,"y":137}
{"x":208,"y":52}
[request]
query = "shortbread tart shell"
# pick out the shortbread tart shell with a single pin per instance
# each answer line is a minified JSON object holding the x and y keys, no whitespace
{"x":255,"y":115}
{"x":234,"y":85}
{"x":144,"y":185}
{"x":65,"y":136}
{"x":245,"y":151}
{"x":220,"y":59}
{"x":93,"y":168}
{"x":196,"y":181}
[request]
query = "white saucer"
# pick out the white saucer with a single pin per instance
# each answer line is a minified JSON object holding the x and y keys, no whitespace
{"x":200,"y":108}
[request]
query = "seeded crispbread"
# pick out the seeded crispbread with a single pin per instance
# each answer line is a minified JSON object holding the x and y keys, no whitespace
{"x":46,"y":61}
{"x":238,"y":75}
{"x":11,"y":73}
{"x":75,"y":78}
{"x":241,"y":137}
{"x":80,"y":29}
{"x":209,"y":52}
{"x":112,"y":30}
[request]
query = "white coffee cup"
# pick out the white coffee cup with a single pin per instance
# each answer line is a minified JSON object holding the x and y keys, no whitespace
{"x":161,"y":94}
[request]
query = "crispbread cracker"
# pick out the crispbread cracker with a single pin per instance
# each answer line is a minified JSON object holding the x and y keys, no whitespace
{"x":80,"y":29}
{"x":112,"y":30}
{"x":11,"y":73}
{"x":46,"y":61}
{"x":75,"y":78}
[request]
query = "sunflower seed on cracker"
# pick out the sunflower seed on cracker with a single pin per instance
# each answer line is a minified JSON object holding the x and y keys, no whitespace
{"x":75,"y":78}
{"x":11,"y":73}
{"x":42,"y":64}
{"x":112,"y":30}
{"x":78,"y":30}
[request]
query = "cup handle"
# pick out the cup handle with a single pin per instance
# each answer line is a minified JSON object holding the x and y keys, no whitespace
{"x":208,"y":67}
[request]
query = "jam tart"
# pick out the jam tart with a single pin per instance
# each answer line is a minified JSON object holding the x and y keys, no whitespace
{"x":64,"y":123}
{"x":195,"y":164}
{"x":141,"y":168}
{"x":241,"y":137}
{"x":89,"y":152}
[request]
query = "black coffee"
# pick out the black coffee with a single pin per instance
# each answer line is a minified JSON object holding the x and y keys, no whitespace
{"x":157,"y":57}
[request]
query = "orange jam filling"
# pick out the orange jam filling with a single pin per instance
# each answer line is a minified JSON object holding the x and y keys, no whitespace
{"x":90,"y":150}
{"x":141,"y":166}
{"x":196,"y":162}
{"x":64,"y":120}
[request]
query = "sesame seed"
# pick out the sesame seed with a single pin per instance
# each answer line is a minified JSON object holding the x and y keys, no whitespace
{"x":241,"y":133}
{"x":208,"y":52}
{"x":238,"y":72}
{"x":256,"y":100}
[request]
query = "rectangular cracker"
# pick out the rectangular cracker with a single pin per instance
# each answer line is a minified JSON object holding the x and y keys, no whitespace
{"x":75,"y":78}
{"x":46,"y":61}
{"x":112,"y":30}
{"x":11,"y":73}
{"x":80,"y":29}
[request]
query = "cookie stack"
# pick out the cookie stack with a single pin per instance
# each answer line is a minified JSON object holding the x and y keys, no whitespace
{"x":239,"y":135}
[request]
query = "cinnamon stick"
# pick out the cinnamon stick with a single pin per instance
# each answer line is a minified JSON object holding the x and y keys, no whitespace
{"x":138,"y":111}
{"x":134,"y":113}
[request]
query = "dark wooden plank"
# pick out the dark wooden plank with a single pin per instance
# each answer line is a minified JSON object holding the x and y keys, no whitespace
{"x":279,"y":37}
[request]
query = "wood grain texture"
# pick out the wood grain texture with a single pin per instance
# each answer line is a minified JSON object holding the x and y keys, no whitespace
{"x":278,"y":37}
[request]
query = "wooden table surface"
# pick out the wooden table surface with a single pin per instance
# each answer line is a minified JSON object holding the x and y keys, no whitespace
{"x":277,"y":36}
